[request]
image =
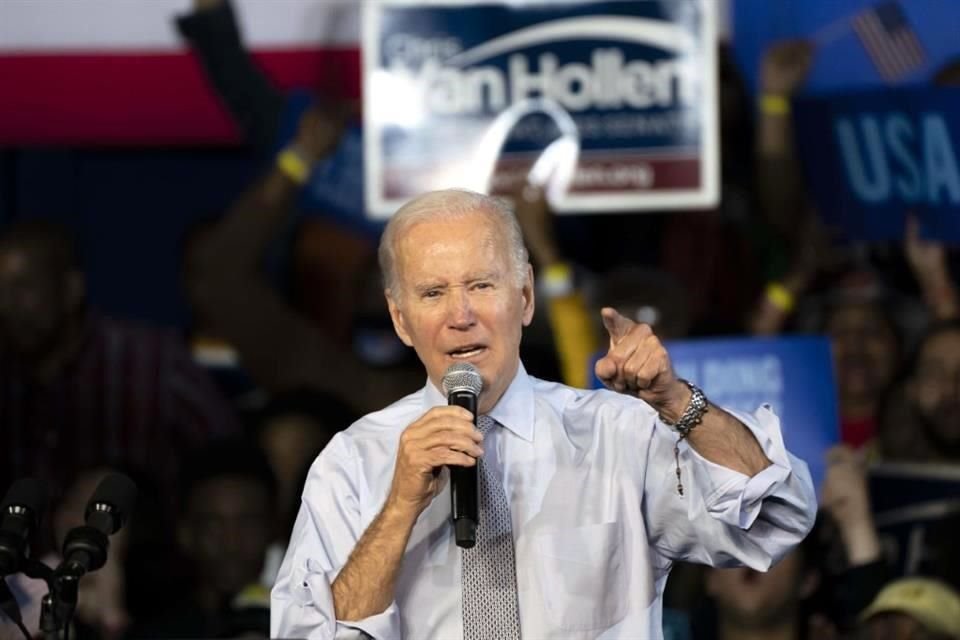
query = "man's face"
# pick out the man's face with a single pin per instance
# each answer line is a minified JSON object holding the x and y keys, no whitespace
{"x":753,"y":600}
{"x":934,"y":388}
{"x":226,"y":531}
{"x":891,"y":626}
{"x":864,"y":350}
{"x":459,"y":300}
{"x":33,"y":302}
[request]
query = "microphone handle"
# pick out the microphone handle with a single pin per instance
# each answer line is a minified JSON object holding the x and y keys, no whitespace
{"x":464,"y":493}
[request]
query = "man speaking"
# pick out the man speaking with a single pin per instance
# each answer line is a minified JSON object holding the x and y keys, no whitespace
{"x":586,"y":498}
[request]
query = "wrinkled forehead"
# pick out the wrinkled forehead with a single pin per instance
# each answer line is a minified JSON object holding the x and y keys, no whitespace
{"x":459,"y":236}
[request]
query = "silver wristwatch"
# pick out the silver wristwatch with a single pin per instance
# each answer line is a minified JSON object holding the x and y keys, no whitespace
{"x":693,"y":414}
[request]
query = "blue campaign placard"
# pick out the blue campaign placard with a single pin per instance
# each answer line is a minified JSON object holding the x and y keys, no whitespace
{"x":794,"y":375}
{"x":335,"y":186}
{"x":873,"y":156}
{"x":842,"y":61}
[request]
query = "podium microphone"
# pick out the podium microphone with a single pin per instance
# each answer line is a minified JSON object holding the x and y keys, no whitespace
{"x":19,"y":514}
{"x":462,"y":384}
{"x":85,"y":548}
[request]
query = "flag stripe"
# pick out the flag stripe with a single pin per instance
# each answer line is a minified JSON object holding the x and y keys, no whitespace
{"x":110,"y":98}
{"x":889,"y":41}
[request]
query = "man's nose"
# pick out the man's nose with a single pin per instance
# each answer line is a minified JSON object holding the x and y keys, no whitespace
{"x":460,"y":309}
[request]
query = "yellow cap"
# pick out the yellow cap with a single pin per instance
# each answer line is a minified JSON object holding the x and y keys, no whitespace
{"x":930,"y":602}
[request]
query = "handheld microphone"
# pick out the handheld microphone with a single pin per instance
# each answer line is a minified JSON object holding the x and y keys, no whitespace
{"x":19,"y":515}
{"x":85,"y":548}
{"x":462,"y":384}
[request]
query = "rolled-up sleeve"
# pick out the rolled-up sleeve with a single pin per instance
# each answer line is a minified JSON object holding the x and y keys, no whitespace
{"x":725,"y":517}
{"x":327,"y":528}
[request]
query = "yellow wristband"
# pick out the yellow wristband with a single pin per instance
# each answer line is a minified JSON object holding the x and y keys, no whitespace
{"x":774,"y":104}
{"x":780,"y":297}
{"x":293,"y":166}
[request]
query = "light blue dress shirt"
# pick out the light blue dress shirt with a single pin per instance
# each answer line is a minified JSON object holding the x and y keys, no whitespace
{"x":597,"y":519}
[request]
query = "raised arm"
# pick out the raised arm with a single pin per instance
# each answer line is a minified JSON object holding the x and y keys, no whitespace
{"x":280,"y":348}
{"x":252,"y":100}
{"x":638,"y":364}
{"x":784,"y":69}
{"x":928,"y":262}
{"x":725,"y":491}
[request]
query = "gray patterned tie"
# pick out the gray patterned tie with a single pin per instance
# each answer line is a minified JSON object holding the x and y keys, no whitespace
{"x":490,"y":607}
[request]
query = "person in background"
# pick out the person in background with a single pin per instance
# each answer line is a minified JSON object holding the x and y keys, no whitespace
{"x":80,"y":390}
{"x":278,"y":346}
{"x":912,"y":609}
{"x":920,"y":419}
{"x":855,"y":568}
{"x":817,"y":591}
{"x":753,"y":605}
{"x":228,"y":520}
{"x":292,"y":429}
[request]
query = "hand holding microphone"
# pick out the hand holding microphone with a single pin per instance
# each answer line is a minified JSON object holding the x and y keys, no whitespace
{"x":443,"y":436}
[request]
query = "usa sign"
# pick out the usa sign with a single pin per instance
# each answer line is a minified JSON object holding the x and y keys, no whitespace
{"x":610,"y":105}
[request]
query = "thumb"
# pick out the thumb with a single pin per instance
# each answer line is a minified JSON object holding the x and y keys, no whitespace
{"x":616,"y":325}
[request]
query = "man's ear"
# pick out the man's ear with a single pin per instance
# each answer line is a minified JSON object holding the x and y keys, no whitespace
{"x":528,"y":297}
{"x":399,"y":321}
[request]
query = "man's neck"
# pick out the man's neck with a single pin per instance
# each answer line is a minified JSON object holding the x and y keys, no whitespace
{"x":781,"y":632}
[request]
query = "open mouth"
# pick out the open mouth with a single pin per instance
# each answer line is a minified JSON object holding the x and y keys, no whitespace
{"x":466,"y":351}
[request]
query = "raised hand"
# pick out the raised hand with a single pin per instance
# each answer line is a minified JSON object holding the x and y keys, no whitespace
{"x":785,"y":66}
{"x":638,"y":364}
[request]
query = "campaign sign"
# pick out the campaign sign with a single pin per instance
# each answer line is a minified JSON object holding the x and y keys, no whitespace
{"x":610,"y":105}
{"x":916,"y":509}
{"x":794,"y":375}
{"x":872,"y":157}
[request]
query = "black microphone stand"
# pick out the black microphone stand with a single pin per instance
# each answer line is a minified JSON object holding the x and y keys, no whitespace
{"x":57,"y":607}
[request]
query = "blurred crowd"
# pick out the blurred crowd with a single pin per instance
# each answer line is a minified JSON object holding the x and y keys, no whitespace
{"x":219,"y":427}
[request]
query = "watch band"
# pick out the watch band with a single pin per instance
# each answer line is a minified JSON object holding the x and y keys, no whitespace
{"x":693,"y":414}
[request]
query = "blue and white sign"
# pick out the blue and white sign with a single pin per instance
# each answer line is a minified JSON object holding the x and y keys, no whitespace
{"x":872,"y":157}
{"x":794,"y":375}
{"x":611,"y":105}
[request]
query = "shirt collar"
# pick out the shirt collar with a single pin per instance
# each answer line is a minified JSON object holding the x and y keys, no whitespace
{"x":515,"y":410}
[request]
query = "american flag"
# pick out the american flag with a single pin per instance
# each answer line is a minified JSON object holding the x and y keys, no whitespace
{"x":889,"y":39}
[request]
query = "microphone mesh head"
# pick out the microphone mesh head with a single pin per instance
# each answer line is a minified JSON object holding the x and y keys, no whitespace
{"x":28,"y":493}
{"x":462,"y":376}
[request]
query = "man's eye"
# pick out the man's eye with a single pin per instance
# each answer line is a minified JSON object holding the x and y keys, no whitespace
{"x":483,"y":285}
{"x":433,"y":293}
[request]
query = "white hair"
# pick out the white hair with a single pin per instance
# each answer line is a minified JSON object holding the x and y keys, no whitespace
{"x":445,"y":205}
